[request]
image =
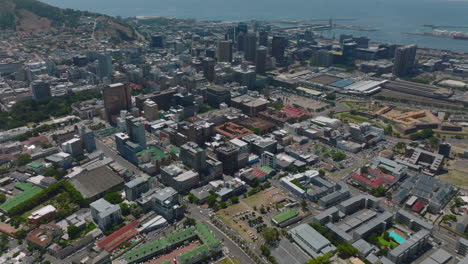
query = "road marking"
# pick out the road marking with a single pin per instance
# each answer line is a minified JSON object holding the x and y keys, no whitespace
{"x":297,"y":261}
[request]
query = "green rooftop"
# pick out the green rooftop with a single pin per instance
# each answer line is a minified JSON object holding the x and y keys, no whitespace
{"x":156,"y":153}
{"x":35,"y":165}
{"x":267,"y":169}
{"x":284,"y":216}
{"x":200,"y":231}
{"x":29,"y":191}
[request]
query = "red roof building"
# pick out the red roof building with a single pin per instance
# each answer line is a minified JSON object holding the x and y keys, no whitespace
{"x":379,"y":174}
{"x":417,"y":206}
{"x":120,"y":236}
{"x":372,"y":183}
{"x":295,"y":112}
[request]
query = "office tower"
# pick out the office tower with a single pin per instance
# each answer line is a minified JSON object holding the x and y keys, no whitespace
{"x":278,"y":47}
{"x":308,"y":35}
{"x":322,"y":58}
{"x":263,"y":38}
{"x":444,"y":149}
{"x":215,"y":95}
{"x":268,"y":159}
{"x":116,"y":98}
{"x":225,"y":51}
{"x":87,"y":137}
{"x":240,"y":41}
{"x":40,"y":90}
{"x":242,"y":28}
{"x":229,"y":156}
{"x":209,"y":69}
{"x":349,"y":53}
{"x":362,"y":42}
{"x":104,"y":65}
{"x":230,"y":34}
{"x":405,"y":58}
{"x":151,"y":112}
{"x":250,"y":46}
{"x":157,"y":41}
{"x":73,"y":147}
{"x":193,"y":156}
{"x":136,"y":130}
{"x":210,"y":53}
{"x":260,"y":60}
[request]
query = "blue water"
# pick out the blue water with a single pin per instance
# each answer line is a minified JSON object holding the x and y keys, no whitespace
{"x":392,"y":17}
{"x":399,"y":239}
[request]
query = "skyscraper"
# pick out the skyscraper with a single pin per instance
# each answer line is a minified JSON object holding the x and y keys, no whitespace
{"x":250,"y":46}
{"x":151,"y":112}
{"x":157,"y":41}
{"x":87,"y":137}
{"x":136,"y":130}
{"x":116,"y":98}
{"x":260,"y":60}
{"x":225,"y":51}
{"x":104,"y":65}
{"x":240,"y":41}
{"x":405,"y":58}
{"x":193,"y":156}
{"x":278,"y":45}
{"x":263,"y":38}
{"x":40,"y":89}
{"x":209,"y":69}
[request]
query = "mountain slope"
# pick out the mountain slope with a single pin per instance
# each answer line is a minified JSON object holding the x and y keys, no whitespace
{"x":33,"y":15}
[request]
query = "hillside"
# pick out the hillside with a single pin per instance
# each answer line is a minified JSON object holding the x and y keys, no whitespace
{"x":33,"y":15}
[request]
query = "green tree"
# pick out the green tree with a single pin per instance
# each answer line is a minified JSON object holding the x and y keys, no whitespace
{"x":338,"y":156}
{"x":271,"y":235}
{"x":265,"y":250}
{"x":2,"y":198}
{"x":190,"y":222}
{"x":211,"y":200}
{"x":346,"y":250}
{"x":125,"y":208}
{"x":113,"y":198}
{"x":23,"y":159}
{"x":73,"y":231}
{"x":235,"y":200}
{"x":193,"y":199}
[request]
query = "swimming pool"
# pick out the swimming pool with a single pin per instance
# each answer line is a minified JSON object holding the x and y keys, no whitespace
{"x":399,"y":239}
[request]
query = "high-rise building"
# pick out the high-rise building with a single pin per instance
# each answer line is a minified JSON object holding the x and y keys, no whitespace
{"x":157,"y":41}
{"x":229,"y":156}
{"x":104,"y":65}
{"x":230,"y":34}
{"x":136,"y":130}
{"x":444,"y":149}
{"x":405,"y":58}
{"x":349,"y":53}
{"x":263,"y":38}
{"x":151,"y":111}
{"x":40,"y":89}
{"x":225,"y":51}
{"x":250,"y":46}
{"x":240,"y":41}
{"x":215,"y":95}
{"x":116,"y":98}
{"x":261,"y":59}
{"x":278,"y":46}
{"x":268,"y":159}
{"x":87,"y":137}
{"x":73,"y":147}
{"x":209,"y":69}
{"x":242,"y":28}
{"x":193,"y":156}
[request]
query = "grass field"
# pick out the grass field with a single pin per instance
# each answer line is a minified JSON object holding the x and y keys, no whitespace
{"x":455,"y":177}
{"x":354,"y":105}
{"x":386,"y":243}
{"x":352,"y":118}
{"x":241,"y":227}
{"x":267,"y":197}
{"x":229,"y":261}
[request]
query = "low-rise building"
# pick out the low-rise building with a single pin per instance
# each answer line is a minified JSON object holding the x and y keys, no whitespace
{"x":105,"y":214}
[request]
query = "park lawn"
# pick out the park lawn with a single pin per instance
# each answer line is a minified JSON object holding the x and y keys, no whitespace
{"x":268,"y":197}
{"x":354,"y":105}
{"x":352,"y":118}
{"x":455,"y":177}
{"x":386,"y":243}
{"x":229,"y":261}
{"x":240,"y":227}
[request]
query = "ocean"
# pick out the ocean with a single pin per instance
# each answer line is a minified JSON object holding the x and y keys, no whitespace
{"x":391,"y":17}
